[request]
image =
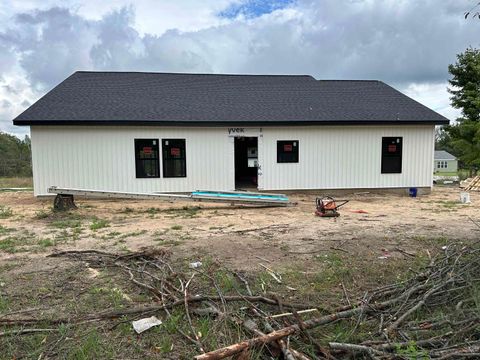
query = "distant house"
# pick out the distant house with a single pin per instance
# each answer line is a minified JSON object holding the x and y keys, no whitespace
{"x":160,"y":132}
{"x":444,"y":162}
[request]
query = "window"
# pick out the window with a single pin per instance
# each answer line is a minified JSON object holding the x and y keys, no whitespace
{"x":147,"y":158}
{"x":174,"y":161}
{"x":392,"y":155}
{"x":287,"y":151}
{"x":442,"y":164}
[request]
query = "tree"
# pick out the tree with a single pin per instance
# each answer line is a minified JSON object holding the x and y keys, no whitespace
{"x":463,"y":138}
{"x":15,"y":158}
{"x":466,"y":84}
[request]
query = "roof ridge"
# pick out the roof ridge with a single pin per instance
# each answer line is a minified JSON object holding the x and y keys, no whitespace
{"x":186,"y":73}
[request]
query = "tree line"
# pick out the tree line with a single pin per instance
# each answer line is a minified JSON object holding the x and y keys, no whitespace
{"x":462,"y":138}
{"x":15,"y":156}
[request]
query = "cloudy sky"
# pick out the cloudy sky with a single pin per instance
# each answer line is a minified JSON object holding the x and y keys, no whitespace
{"x":406,"y":43}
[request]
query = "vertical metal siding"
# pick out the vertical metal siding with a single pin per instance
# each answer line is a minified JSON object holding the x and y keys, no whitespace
{"x":329,"y":157}
{"x":104,"y":158}
{"x":347,"y":157}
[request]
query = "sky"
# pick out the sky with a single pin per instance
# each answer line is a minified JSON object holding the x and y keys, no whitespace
{"x":405,"y":43}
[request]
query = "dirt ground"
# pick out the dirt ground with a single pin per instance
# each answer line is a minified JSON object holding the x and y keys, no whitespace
{"x":240,"y":236}
{"x":379,"y":238}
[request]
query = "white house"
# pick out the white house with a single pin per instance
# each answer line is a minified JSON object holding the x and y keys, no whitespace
{"x":444,"y":162}
{"x":161,"y":132}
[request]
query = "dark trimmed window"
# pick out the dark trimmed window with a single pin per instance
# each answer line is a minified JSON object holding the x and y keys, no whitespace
{"x":147,"y":158}
{"x":287,"y":151}
{"x":174,"y":159}
{"x":392,"y":155}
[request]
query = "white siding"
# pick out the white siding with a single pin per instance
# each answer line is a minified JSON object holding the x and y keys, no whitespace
{"x":347,"y":157}
{"x":331,"y":157}
{"x":103,"y":158}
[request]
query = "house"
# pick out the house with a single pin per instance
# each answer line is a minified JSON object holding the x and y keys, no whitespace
{"x":444,"y":162}
{"x":164,"y":132}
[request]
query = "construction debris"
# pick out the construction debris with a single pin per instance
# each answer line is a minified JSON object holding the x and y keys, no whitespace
{"x":433,"y":314}
{"x":146,"y":323}
{"x":65,"y":197}
{"x":471,"y":184}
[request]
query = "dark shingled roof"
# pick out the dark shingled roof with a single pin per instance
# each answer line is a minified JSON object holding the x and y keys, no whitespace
{"x":135,"y":98}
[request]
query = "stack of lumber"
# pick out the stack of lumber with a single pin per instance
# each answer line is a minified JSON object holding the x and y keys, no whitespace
{"x":474,"y":184}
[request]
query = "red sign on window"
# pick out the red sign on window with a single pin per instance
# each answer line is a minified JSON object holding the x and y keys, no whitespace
{"x":392,"y":148}
{"x":287,"y":147}
{"x":147,"y":150}
{"x":175,"y":151}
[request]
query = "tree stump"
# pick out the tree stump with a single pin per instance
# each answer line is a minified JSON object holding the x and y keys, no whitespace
{"x":64,"y":203}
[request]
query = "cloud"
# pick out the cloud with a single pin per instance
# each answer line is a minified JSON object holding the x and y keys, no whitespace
{"x":408,"y":44}
{"x":254,"y":8}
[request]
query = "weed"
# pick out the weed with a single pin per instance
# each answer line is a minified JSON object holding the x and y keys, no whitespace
{"x":90,"y":348}
{"x":5,"y":212}
{"x":133,"y":233}
{"x":411,"y":352}
{"x":99,"y":224}
{"x":172,"y":323}
{"x":5,"y":230}
{"x":204,"y":324}
{"x":63,"y":330}
{"x":8,"y":245}
{"x":165,"y":345}
{"x":110,"y":235}
{"x":449,"y":204}
{"x":4,"y":304}
{"x":176,"y":227}
{"x":41,"y":214}
{"x":225,"y":280}
{"x":45,"y":242}
{"x":114,"y":295}
{"x":167,"y":242}
{"x":66,"y":224}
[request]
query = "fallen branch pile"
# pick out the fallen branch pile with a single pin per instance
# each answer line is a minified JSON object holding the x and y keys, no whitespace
{"x":434,"y":314}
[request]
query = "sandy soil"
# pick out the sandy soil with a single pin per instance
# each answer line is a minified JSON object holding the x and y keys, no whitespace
{"x":240,"y":236}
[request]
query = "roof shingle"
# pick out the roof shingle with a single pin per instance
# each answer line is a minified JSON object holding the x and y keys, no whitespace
{"x":206,"y":99}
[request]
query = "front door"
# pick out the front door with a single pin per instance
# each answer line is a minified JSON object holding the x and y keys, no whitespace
{"x":246,"y":163}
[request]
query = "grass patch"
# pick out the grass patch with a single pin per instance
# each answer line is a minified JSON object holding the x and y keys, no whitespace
{"x":42,"y":214}
{"x":99,"y":224}
{"x":184,"y":212}
{"x":5,"y":212}
{"x":176,"y":227}
{"x":66,"y":224}
{"x":127,"y":210}
{"x":91,"y":347}
{"x":45,"y":243}
{"x":449,"y":204}
{"x":5,"y":230}
{"x":8,"y":245}
{"x":16,"y":182}
{"x":4,"y":304}
{"x":132,"y":234}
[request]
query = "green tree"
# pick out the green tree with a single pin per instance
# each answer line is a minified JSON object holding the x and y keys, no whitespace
{"x":15,"y":158}
{"x":463,"y":138}
{"x":465,"y":84}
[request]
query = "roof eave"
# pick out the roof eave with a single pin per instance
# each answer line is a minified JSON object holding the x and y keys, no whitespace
{"x":19,"y":122}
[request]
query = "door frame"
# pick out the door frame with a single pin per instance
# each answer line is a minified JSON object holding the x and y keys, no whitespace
{"x":234,"y":132}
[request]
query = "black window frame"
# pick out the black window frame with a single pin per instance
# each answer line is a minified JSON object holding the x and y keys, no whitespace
{"x":168,"y":159}
{"x":392,"y":161}
{"x":139,"y":145}
{"x":282,"y":157}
